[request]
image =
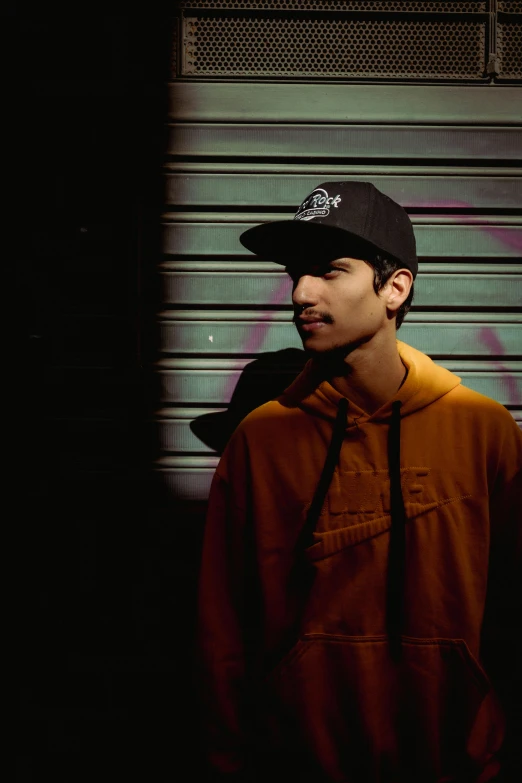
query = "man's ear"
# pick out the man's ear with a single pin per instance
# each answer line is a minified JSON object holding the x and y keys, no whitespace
{"x":397,"y":289}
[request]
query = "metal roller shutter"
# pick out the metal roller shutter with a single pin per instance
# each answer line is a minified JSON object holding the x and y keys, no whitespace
{"x":436,"y":126}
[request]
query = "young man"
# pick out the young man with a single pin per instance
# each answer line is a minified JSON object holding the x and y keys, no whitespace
{"x":359,"y":602}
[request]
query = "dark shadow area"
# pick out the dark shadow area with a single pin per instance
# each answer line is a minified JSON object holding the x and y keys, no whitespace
{"x":101,"y":642}
{"x":262,"y":380}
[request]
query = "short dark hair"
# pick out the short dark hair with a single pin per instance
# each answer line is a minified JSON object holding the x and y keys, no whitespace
{"x":383,"y":268}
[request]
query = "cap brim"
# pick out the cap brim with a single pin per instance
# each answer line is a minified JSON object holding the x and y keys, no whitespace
{"x":283,"y":241}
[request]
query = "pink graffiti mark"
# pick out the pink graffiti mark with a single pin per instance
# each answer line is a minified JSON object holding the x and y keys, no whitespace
{"x":490,"y":339}
{"x":281,"y":294}
{"x":508,"y":238}
{"x":505,"y":235}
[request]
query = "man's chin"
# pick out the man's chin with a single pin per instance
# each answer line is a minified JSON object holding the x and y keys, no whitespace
{"x":317,"y":350}
{"x":314,"y":346}
{"x":328,"y":353}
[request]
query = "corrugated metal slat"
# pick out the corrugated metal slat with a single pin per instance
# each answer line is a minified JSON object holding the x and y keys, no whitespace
{"x":344,"y":141}
{"x":455,"y":290}
{"x":269,"y":268}
{"x":435,"y":337}
{"x":270,"y":189}
{"x":433,"y":241}
{"x":357,"y":103}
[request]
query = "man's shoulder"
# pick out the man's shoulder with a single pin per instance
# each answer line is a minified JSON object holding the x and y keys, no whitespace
{"x":269,"y":414}
{"x":464,"y":394}
{"x":264,"y":428}
{"x":478,"y":405}
{"x":269,"y":423}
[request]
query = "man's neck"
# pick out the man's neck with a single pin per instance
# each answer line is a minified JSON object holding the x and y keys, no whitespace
{"x":369,"y":378}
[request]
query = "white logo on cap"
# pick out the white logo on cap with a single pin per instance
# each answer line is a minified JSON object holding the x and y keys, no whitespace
{"x":317,"y":204}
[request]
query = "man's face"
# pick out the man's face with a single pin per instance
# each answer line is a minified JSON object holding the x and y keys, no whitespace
{"x":335,"y":304}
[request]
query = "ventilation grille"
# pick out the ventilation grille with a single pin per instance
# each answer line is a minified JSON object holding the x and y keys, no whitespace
{"x":228,"y":46}
{"x":174,"y":51}
{"x":509,"y":50}
{"x":350,"y":39}
{"x":408,"y":6}
{"x":509,"y":6}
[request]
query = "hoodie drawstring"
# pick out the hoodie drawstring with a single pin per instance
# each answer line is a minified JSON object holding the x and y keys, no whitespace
{"x":306,"y":536}
{"x":303,"y":574}
{"x":397,"y":551}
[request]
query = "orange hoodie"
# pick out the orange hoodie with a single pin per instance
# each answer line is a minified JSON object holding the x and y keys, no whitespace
{"x":347,"y":610}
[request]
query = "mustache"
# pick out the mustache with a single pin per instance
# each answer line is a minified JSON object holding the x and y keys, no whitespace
{"x":326,"y":317}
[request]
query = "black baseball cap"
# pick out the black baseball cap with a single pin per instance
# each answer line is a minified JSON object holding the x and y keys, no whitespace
{"x":338,"y":219}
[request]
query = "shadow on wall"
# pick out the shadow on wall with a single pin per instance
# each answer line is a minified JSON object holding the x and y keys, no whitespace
{"x":262,"y":380}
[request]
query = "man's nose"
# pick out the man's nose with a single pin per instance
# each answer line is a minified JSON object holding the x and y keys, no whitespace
{"x":305,"y":291}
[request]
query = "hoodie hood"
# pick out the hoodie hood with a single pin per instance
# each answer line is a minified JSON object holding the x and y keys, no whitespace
{"x":425,"y":383}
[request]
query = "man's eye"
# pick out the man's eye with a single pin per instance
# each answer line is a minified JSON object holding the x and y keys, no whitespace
{"x":331,"y":270}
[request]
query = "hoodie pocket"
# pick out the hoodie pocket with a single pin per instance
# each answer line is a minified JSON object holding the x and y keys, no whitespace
{"x":363,"y":717}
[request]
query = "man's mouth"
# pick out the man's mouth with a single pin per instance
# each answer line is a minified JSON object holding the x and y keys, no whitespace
{"x":312,"y":323}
